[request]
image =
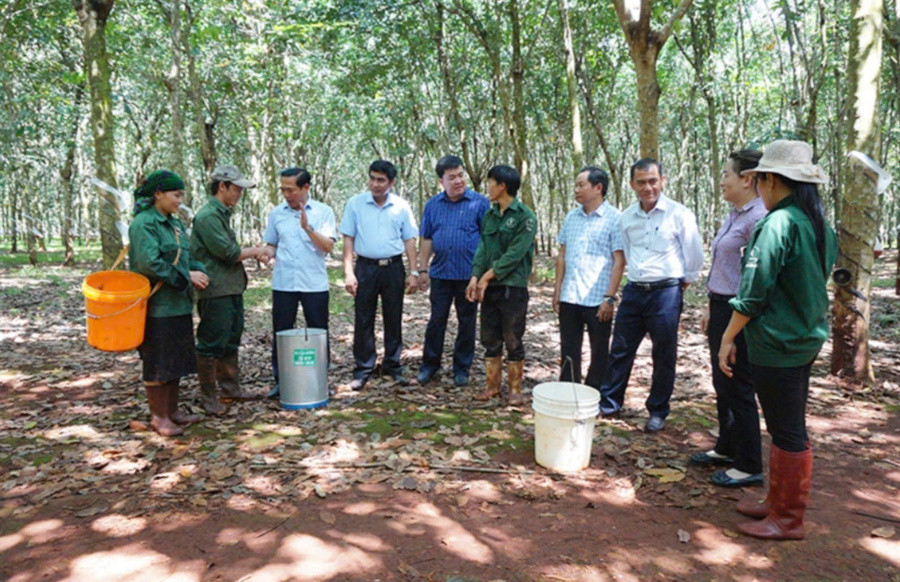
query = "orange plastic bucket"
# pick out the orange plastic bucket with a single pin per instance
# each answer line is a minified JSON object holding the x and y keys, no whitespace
{"x":116,"y":306}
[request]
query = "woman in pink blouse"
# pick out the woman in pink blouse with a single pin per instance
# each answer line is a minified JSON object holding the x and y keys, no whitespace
{"x":738,"y":445}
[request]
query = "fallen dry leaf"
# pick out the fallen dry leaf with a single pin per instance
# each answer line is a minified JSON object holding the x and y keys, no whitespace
{"x":683,"y":536}
{"x":327,"y":517}
{"x":883,"y":532}
{"x":137,"y":425}
{"x":665,"y":475}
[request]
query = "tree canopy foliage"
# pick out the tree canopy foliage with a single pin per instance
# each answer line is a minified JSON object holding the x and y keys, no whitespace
{"x":331,"y":85}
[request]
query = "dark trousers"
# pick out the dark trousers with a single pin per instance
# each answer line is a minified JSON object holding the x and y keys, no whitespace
{"x":735,"y":398}
{"x":444,"y":293}
{"x":655,"y":312}
{"x":373,"y":282}
{"x":284,"y":316}
{"x":503,"y":314}
{"x":782,"y":394}
{"x":572,"y":321}
{"x":221,"y":325}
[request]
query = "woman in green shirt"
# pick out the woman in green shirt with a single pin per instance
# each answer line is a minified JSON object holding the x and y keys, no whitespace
{"x":160,"y":250}
{"x":781,"y":306}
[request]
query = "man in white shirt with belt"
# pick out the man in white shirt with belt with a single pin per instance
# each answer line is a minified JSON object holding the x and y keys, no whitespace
{"x":299,"y":235}
{"x":664,"y":255}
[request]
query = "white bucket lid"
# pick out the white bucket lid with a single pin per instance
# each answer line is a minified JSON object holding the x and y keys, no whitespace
{"x":566,"y":400}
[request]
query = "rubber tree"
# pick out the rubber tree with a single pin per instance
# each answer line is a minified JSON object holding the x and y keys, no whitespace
{"x":860,"y":211}
{"x":645,"y":44}
{"x":93,"y":15}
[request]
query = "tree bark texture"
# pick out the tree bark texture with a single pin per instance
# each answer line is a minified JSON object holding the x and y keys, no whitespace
{"x":572,"y":88}
{"x":93,"y":14}
{"x":644,"y":45}
{"x":859,"y":211}
{"x":205,"y":127}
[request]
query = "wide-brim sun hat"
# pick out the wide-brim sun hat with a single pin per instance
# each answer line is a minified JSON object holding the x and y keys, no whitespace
{"x":791,"y":159}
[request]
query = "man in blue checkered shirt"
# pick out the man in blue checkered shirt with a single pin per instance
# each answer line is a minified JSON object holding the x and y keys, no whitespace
{"x":450,"y":231}
{"x":589,"y":268}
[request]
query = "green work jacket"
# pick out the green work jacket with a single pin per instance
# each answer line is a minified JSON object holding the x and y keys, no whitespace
{"x":154,"y":242}
{"x":506,"y":245}
{"x":215,"y":245}
{"x":783,"y":288}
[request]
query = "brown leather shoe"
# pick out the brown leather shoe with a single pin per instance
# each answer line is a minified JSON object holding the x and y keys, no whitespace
{"x":493,"y":377}
{"x":514,"y":372}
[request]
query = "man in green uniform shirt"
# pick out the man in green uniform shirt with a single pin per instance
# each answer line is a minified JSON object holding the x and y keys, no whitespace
{"x":221,"y":305}
{"x":500,"y":272}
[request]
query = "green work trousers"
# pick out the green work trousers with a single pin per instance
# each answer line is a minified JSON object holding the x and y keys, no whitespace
{"x":221,"y":325}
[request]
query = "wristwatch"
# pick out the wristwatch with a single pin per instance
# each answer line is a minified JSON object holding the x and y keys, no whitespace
{"x":414,"y":273}
{"x":610,"y":299}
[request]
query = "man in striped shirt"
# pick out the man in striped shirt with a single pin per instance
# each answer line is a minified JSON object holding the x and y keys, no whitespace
{"x":450,"y":231}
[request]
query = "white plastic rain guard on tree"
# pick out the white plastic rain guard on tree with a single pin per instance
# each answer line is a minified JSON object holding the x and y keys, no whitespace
{"x":564,"y":414}
{"x":303,"y":367}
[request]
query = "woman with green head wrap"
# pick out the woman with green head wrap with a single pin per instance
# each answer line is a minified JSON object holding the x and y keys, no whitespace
{"x":160,"y":250}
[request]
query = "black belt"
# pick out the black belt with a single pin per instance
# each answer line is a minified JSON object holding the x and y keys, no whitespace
{"x":379,"y":262}
{"x":665,"y":283}
{"x":717,"y":297}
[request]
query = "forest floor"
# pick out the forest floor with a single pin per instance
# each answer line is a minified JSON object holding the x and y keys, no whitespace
{"x":371,"y":487}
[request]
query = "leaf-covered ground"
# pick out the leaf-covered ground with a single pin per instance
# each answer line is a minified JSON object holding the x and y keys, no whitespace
{"x":419,"y":483}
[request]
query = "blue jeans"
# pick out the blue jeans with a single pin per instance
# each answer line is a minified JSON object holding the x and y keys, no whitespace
{"x":656,"y":312}
{"x":444,"y":293}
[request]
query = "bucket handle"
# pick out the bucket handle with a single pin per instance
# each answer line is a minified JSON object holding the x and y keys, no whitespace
{"x":568,"y":361}
{"x":139,"y":299}
{"x":153,"y":291}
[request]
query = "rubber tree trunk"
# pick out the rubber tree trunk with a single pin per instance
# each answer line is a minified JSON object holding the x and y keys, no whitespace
{"x":860,"y":210}
{"x":644,"y":45}
{"x":572,"y":88}
{"x":93,"y":14}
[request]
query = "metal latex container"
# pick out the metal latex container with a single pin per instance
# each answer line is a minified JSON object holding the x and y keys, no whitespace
{"x":303,"y":368}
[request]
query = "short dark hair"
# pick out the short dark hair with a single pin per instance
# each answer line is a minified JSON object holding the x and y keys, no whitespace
{"x":447,"y":163}
{"x":646,"y":164}
{"x":596,"y":175}
{"x":384,"y":167}
{"x":745,"y":159}
{"x":301,"y":175}
{"x":506,"y":175}
{"x":214,"y":186}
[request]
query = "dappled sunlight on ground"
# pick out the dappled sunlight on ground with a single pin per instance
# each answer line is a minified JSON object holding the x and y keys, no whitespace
{"x":133,"y":562}
{"x":393,"y":483}
{"x":885,"y":549}
{"x":306,"y":557}
{"x":118,"y":526}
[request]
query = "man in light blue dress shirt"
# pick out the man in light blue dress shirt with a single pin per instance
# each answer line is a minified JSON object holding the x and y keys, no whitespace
{"x":378,"y":226}
{"x":589,"y":268}
{"x":299,"y":235}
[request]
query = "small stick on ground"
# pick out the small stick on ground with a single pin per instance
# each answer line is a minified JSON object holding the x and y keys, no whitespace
{"x":876,"y":516}
{"x":276,"y":526}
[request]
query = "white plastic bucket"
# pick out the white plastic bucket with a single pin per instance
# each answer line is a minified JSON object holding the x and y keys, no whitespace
{"x":564,"y":415}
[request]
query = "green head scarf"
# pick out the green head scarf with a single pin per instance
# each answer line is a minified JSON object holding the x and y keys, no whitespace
{"x":158,"y":181}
